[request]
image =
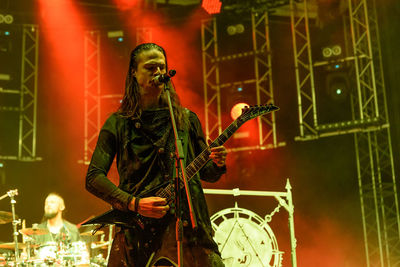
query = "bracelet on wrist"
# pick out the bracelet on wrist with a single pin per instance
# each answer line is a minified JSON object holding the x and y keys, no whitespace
{"x":137,"y":204}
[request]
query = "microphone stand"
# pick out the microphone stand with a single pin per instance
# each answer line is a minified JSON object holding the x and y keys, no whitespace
{"x":11,"y":194}
{"x":180,"y":168}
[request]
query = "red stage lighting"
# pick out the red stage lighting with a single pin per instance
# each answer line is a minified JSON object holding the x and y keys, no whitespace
{"x":211,"y":6}
{"x":126,"y":4}
{"x":236,"y":110}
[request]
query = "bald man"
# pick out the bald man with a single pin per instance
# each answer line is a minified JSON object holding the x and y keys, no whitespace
{"x":60,"y":230}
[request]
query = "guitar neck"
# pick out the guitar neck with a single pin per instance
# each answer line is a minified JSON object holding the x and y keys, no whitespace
{"x":247,"y":114}
{"x":201,"y":159}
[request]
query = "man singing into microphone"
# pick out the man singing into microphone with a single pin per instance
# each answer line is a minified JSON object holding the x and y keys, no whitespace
{"x":141,"y":138}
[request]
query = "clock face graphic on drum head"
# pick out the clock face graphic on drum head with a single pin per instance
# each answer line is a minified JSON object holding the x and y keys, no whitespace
{"x":245,"y":239}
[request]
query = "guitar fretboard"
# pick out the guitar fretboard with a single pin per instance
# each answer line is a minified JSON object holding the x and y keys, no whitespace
{"x":203,"y":157}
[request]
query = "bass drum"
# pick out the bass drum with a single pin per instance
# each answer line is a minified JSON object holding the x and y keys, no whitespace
{"x":245,"y":239}
{"x":47,"y":252}
{"x":77,"y":255}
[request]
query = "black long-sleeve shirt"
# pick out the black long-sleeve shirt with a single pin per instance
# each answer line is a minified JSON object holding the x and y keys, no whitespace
{"x":143,"y":150}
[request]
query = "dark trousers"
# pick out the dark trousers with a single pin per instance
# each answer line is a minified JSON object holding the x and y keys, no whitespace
{"x":123,"y":253}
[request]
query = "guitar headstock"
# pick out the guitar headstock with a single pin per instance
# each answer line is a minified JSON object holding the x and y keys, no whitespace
{"x":250,"y":112}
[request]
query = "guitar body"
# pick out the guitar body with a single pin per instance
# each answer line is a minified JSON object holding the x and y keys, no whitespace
{"x":147,"y":232}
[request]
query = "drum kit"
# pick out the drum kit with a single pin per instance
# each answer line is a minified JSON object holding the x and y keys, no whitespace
{"x":31,"y":254}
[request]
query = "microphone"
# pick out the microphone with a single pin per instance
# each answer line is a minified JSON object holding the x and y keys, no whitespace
{"x":160,"y":79}
{"x":163,"y":78}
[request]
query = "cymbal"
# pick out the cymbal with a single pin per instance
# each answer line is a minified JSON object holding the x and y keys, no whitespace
{"x":34,"y":231}
{"x":89,"y":233}
{"x":5,"y":217}
{"x":11,"y":245}
{"x":87,"y":230}
{"x":100,"y":244}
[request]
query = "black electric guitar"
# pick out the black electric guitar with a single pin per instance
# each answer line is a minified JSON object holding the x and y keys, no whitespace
{"x":167,"y":190}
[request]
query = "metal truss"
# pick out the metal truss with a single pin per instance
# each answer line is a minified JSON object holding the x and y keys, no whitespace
{"x":211,"y":81}
{"x":262,"y":79}
{"x":376,"y":176}
{"x":366,"y":108}
{"x":92,"y":92}
{"x":370,"y":125}
{"x":304,"y":70}
{"x":378,"y":197}
{"x":28,"y":96}
{"x":366,"y":105}
{"x":263,"y":73}
{"x":376,"y":53}
{"x":27,"y":122}
{"x":92,"y":87}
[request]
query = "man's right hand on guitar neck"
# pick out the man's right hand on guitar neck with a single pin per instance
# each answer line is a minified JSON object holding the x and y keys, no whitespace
{"x":153,"y":207}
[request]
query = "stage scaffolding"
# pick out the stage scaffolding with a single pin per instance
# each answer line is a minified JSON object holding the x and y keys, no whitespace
{"x":93,"y":94}
{"x":27,"y":108}
{"x":213,"y":86}
{"x":92,"y":91}
{"x":370,"y":124}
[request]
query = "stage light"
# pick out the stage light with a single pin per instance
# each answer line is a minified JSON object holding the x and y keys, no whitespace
{"x":5,"y":42}
{"x":239,"y":28}
{"x":235,"y":98}
{"x":115,"y":34}
{"x":5,"y":77}
{"x":2,"y":174}
{"x":6,"y":18}
{"x":331,"y":51}
{"x":118,"y":41}
{"x":327,"y":52}
{"x":211,"y":6}
{"x":236,"y":110}
{"x":337,"y":86}
{"x":334,"y":96}
{"x":231,"y":30}
{"x":336,"y":50}
{"x":127,"y":4}
{"x":235,"y":29}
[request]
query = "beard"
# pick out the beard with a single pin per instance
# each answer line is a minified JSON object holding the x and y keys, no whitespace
{"x":49,"y":215}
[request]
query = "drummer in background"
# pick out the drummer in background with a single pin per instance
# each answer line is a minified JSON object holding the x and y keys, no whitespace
{"x":59,"y":230}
